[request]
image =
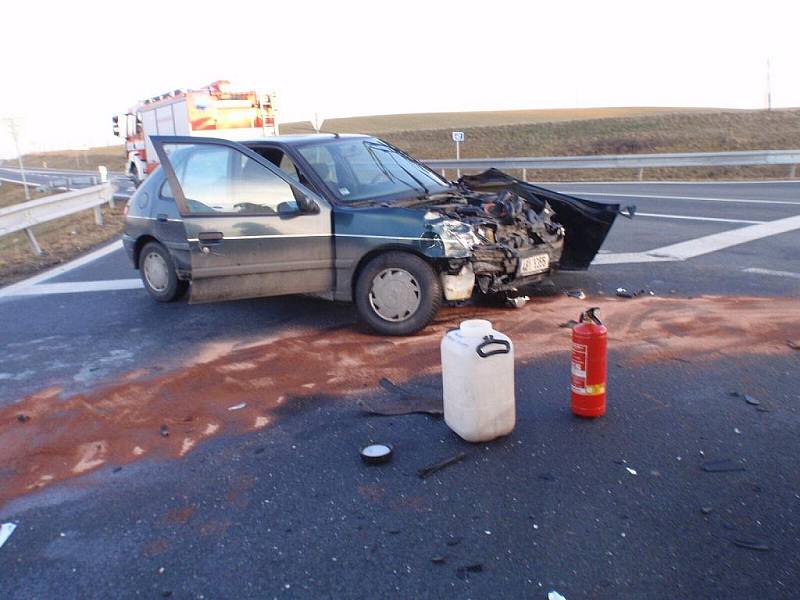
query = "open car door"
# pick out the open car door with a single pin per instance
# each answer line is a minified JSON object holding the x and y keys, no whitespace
{"x":252,"y":230}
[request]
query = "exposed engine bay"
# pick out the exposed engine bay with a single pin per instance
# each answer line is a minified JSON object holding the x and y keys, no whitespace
{"x":501,"y":233}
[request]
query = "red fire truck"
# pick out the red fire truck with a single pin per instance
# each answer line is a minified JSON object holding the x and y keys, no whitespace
{"x":213,"y":110}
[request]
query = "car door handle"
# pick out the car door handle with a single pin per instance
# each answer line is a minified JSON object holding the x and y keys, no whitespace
{"x":162,"y":218}
{"x":209,"y":237}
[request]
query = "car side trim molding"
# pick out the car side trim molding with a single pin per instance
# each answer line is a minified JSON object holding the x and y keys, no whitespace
{"x":304,"y":235}
{"x":378,"y":237}
{"x":266,"y":236}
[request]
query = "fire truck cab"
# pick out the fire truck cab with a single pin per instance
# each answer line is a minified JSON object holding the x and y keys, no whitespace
{"x":235,"y":115}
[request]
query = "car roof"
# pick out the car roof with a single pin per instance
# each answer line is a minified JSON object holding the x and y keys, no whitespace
{"x":300,"y":139}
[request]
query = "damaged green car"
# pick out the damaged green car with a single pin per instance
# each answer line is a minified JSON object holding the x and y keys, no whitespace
{"x":348,"y":218}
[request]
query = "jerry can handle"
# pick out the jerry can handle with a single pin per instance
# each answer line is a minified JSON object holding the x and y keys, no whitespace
{"x":488,"y":341}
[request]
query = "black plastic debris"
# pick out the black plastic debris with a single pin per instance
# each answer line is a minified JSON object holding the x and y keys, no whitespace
{"x":404,"y":401}
{"x":439,"y":560}
{"x":579,"y":294}
{"x":426,"y":472}
{"x":758,"y":545}
{"x":116,"y":469}
{"x":706,"y":510}
{"x":625,"y":293}
{"x":722,"y":466}
{"x":376,"y":454}
{"x":22,"y":418}
{"x":793,"y":344}
{"x":571,"y":323}
{"x":164,"y":431}
{"x":454,"y":541}
{"x":463,"y":572}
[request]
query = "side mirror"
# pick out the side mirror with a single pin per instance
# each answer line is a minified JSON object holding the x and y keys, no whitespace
{"x":115,"y":126}
{"x":306,"y":204}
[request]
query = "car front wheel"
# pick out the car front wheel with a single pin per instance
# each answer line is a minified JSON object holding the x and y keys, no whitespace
{"x":397,"y":293}
{"x":158,"y":273}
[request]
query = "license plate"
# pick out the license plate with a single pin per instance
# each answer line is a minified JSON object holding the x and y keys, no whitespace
{"x":534,"y":264}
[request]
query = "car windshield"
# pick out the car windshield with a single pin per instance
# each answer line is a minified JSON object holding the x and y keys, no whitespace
{"x":369,"y":169}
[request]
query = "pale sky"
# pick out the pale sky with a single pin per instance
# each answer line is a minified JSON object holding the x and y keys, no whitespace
{"x":68,"y":66}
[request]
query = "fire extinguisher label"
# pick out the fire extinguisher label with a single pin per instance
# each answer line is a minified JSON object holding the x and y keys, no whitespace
{"x":579,"y":361}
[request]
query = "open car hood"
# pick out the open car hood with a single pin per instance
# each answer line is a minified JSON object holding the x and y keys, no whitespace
{"x":586,"y":222}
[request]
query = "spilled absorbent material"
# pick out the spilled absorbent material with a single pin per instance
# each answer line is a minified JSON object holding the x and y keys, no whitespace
{"x":123,"y":421}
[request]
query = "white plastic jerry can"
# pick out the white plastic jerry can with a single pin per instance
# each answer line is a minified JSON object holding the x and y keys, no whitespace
{"x":478,"y":381}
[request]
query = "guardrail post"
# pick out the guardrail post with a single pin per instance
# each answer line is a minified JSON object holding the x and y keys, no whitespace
{"x":525,"y":175}
{"x":98,"y":215}
{"x":641,"y":173}
{"x":37,"y":250}
{"x":104,"y":179}
{"x":793,"y":172}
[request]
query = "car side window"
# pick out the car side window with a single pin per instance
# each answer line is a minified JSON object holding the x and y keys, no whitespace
{"x":220,"y":179}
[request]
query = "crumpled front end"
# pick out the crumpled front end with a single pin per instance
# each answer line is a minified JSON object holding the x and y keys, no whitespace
{"x":502,"y":233}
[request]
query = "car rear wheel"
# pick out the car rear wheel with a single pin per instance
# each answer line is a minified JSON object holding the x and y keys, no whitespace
{"x":397,"y":293}
{"x":158,"y":273}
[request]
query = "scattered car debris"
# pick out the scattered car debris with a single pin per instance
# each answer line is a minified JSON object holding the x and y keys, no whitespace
{"x":631,"y":471}
{"x":439,"y":560}
{"x":22,"y":418}
{"x":625,"y":293}
{"x":546,"y":476}
{"x":517,"y":301}
{"x":752,"y":545}
{"x":463,"y":572}
{"x":164,"y":431}
{"x":116,"y":469}
{"x":238,"y":406}
{"x":750,"y":400}
{"x":571,"y":323}
{"x":722,"y":466}
{"x":706,"y":510}
{"x":454,"y":541}
{"x":6,"y":529}
{"x":426,"y":472}
{"x":554,"y":595}
{"x":579,"y":294}
{"x":376,"y":454}
{"x":793,"y":344}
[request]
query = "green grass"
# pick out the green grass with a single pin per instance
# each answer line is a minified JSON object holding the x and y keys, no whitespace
{"x":467,"y":120}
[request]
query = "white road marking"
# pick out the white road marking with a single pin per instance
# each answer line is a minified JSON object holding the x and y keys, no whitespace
{"x":705,"y":244}
{"x":13,"y":290}
{"x":702,"y":198}
{"x":760,"y":271}
{"x":72,"y":287}
{"x":654,"y":182}
{"x":690,"y":218}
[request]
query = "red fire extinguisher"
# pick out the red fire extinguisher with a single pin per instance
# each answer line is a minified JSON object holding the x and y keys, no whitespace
{"x":589,"y":366}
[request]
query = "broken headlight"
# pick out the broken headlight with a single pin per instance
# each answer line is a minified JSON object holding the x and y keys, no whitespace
{"x":457,"y":238}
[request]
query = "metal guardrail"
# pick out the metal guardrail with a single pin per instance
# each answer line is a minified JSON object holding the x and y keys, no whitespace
{"x":628,"y":161}
{"x":23,"y":216}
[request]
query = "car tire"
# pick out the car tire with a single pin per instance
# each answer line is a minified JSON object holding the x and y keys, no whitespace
{"x":397,"y":293}
{"x":158,"y":273}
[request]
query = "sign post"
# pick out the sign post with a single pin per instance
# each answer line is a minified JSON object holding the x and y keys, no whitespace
{"x":458,"y":137}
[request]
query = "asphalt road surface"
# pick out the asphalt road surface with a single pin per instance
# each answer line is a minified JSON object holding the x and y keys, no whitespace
{"x":620,"y":507}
